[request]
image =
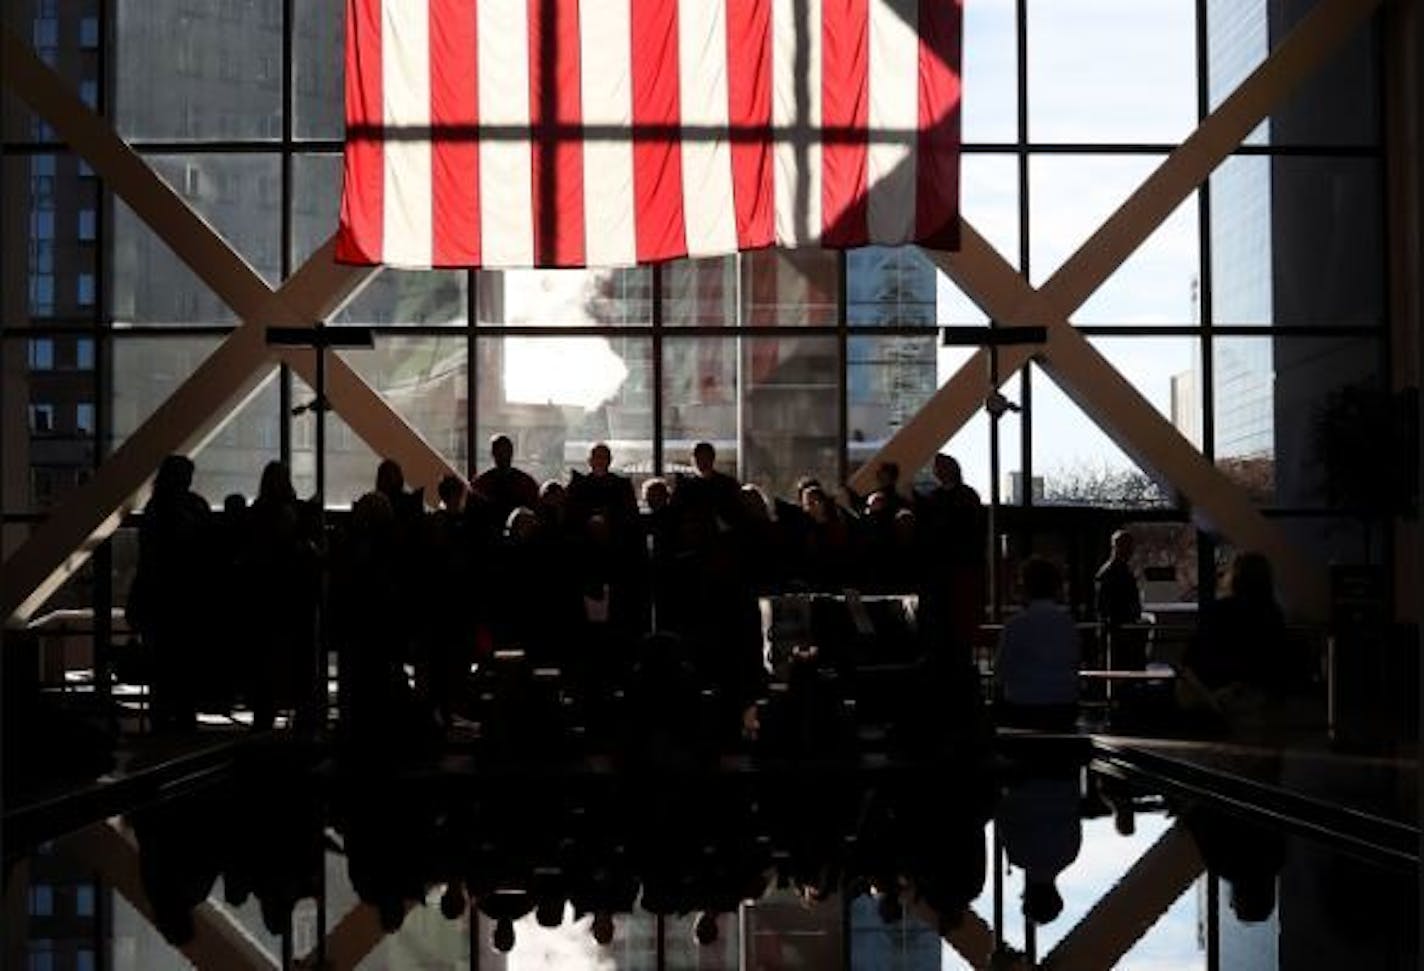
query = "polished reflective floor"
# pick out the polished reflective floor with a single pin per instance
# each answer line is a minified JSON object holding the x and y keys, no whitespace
{"x":1040,"y":852}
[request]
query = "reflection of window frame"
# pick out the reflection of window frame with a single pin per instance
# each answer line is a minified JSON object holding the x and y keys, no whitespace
{"x":41,"y":354}
{"x":42,"y":418}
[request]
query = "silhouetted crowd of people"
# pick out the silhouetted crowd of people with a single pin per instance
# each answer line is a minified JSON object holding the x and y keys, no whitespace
{"x":570,"y":575}
{"x":513,"y":578}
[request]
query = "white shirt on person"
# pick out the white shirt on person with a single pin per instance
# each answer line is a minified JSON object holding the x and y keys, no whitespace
{"x":1038,"y":657}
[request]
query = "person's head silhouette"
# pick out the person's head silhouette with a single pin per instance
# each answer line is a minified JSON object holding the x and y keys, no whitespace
{"x":1042,"y":902}
{"x":502,"y":451}
{"x":503,"y":937}
{"x":705,"y":929}
{"x":452,"y":901}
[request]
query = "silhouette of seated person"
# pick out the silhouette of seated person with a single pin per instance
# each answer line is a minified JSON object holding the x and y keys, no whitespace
{"x":1240,"y":659}
{"x":503,"y":486}
{"x":1042,"y":834}
{"x":168,"y":602}
{"x":1036,"y":668}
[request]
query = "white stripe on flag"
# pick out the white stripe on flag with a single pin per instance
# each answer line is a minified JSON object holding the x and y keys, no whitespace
{"x":894,"y":115}
{"x":405,"y":93}
{"x":605,"y":39}
{"x":506,"y":167}
{"x":796,"y":118}
{"x":709,"y":212}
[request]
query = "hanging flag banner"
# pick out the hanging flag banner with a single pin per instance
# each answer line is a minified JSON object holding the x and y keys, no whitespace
{"x":567,"y":133}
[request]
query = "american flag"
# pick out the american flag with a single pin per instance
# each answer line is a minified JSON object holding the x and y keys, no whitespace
{"x":566,"y":133}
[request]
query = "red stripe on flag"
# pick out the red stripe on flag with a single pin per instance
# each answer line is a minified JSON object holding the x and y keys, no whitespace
{"x":359,"y":238}
{"x":937,"y":164}
{"x":749,"y":114}
{"x":555,"y":117}
{"x":657,"y":158}
{"x":454,"y":114}
{"x":845,"y":117}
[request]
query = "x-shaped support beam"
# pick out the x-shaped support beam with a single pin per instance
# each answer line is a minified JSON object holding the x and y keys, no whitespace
{"x":1074,"y":364}
{"x":216,"y":390}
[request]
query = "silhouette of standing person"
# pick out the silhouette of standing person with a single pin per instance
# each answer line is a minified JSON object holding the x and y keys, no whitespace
{"x":1119,"y":603}
{"x":602,"y":492}
{"x":952,"y":599}
{"x":505,"y":487}
{"x":166,"y":604}
{"x":279,"y":578}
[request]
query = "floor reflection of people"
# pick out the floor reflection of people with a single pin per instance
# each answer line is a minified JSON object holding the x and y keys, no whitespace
{"x":1248,"y":856}
{"x":1042,"y":832}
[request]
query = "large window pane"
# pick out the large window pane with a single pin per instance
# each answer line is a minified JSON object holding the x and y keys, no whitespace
{"x":1071,"y":198}
{"x":1297,"y":241}
{"x":1303,"y":423}
{"x":149,"y":369}
{"x":1111,"y":70}
{"x":421,"y":378}
{"x":565,"y":298}
{"x":990,"y":72}
{"x":198,"y":69}
{"x":890,"y":286}
{"x":888,"y":379}
{"x":765,"y":288}
{"x":556,"y":396}
{"x":1337,"y":104}
{"x":767,"y":404}
{"x":318,"y":97}
{"x":425,"y":380}
{"x":1079,"y":464}
{"x":394,"y":296}
{"x":239,"y":196}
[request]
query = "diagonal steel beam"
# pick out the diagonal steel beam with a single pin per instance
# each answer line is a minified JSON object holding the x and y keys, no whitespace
{"x":1132,"y":906}
{"x":218,"y":941}
{"x":1094,"y":384}
{"x":354,"y":937}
